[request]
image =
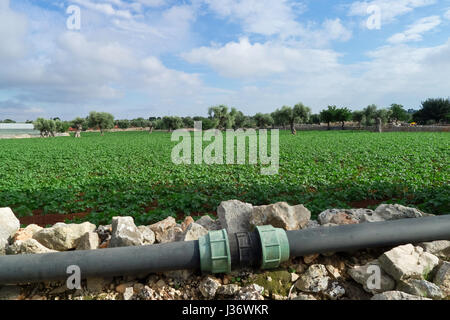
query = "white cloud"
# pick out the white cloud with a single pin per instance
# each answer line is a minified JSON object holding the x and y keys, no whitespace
{"x":279,"y":18}
{"x":244,"y":59}
{"x":13,"y":28}
{"x":406,"y":73}
{"x":81,"y":71}
{"x":152,"y":3}
{"x":329,"y":31}
{"x":112,"y":54}
{"x":10,"y":108}
{"x":105,"y":8}
{"x":100,"y":66}
{"x":265,"y":17}
{"x":286,"y":75}
{"x":389,"y":9}
{"x":336,"y":31}
{"x":179,"y":17}
{"x":138,"y":5}
{"x":157,"y":74}
{"x":114,"y":64}
{"x":415,"y":31}
{"x":168,"y":30}
{"x":399,"y":72}
{"x":137,"y":27}
{"x":447,"y":14}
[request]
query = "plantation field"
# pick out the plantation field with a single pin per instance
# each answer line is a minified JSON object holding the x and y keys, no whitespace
{"x":131,"y":173}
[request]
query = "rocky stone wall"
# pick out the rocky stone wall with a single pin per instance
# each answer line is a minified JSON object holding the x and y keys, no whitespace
{"x":419,"y":271}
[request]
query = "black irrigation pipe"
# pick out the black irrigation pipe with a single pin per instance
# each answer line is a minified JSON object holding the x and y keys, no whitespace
{"x":100,"y":263}
{"x":219,"y":252}
{"x":368,"y":235}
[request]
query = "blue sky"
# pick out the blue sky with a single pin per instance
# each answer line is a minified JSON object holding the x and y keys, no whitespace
{"x":165,"y":57}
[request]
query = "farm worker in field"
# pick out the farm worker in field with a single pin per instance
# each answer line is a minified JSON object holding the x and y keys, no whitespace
{"x":78,"y":132}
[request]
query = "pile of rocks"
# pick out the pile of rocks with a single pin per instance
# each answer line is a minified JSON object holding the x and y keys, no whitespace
{"x":411,"y":271}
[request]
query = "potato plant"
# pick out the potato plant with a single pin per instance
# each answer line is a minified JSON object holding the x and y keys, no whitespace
{"x":131,"y":173}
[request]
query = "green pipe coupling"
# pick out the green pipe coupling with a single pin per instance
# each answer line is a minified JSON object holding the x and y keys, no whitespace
{"x":275,"y":246}
{"x":215,"y":256}
{"x":215,"y":253}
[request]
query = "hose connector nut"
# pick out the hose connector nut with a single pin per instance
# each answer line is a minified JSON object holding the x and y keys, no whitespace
{"x":275,"y":246}
{"x":215,"y":256}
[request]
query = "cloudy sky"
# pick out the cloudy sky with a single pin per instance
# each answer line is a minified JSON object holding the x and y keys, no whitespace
{"x":166,"y":57}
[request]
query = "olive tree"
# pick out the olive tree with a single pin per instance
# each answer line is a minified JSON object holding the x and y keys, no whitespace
{"x":188,"y":122}
{"x":434,"y":111}
{"x":342,"y":115}
{"x":279,"y":118}
{"x":328,"y":115}
{"x":172,"y":123}
{"x":46,"y":127}
{"x":314,"y":119}
{"x":263,"y":120}
{"x":140,"y":123}
{"x":384,"y":115}
{"x":239,"y":120}
{"x":123,"y":124}
{"x":298,"y":114}
{"x":370,"y":115}
{"x":101,"y":120}
{"x":225,"y":119}
{"x":398,"y":113}
{"x":358,"y":116}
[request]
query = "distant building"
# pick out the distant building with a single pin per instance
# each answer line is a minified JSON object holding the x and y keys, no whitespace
{"x":16,"y":126}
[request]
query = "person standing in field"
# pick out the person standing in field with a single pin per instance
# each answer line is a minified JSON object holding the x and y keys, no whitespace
{"x":78,"y":132}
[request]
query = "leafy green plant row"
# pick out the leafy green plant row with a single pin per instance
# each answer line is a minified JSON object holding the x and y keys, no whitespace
{"x":131,"y":173}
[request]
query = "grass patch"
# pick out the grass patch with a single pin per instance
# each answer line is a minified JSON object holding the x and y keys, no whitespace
{"x":274,"y":282}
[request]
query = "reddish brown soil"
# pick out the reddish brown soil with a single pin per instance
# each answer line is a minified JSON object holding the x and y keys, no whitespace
{"x":151,"y":206}
{"x":366,"y":203}
{"x":50,"y":219}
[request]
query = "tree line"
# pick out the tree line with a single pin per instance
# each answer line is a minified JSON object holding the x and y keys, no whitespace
{"x":433,"y":111}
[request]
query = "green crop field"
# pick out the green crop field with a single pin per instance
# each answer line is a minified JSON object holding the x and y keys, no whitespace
{"x":131,"y":173}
